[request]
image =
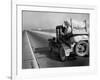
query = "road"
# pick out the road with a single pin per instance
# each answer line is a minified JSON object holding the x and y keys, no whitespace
{"x":39,"y":45}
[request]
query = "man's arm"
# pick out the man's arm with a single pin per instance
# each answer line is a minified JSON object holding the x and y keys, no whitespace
{"x":61,"y":31}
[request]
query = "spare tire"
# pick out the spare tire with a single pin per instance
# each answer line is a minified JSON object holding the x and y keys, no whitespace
{"x":82,"y":48}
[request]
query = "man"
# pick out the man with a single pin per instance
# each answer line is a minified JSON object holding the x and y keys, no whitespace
{"x":64,"y":29}
{"x":67,"y":27}
{"x":63,"y":32}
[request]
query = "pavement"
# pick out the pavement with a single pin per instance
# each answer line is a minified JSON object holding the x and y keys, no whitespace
{"x":39,"y":54}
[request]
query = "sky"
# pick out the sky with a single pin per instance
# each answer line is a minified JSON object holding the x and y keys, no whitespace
{"x":49,"y":20}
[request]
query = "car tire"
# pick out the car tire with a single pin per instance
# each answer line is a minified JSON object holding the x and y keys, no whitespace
{"x":62,"y":54}
{"x":82,"y":48}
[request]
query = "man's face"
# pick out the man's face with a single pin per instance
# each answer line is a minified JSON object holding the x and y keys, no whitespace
{"x":66,"y":23}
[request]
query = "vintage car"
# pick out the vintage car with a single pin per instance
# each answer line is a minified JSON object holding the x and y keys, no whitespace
{"x":74,"y":43}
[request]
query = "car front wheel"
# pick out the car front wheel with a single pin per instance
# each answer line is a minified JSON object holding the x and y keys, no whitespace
{"x":81,"y":48}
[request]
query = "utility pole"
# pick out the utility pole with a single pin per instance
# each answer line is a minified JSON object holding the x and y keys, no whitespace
{"x":85,"y":25}
{"x":71,"y":24}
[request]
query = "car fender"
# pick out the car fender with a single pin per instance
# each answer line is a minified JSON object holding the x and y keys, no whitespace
{"x":80,"y":37}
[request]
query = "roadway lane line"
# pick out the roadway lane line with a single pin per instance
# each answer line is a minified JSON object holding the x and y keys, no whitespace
{"x":34,"y":59}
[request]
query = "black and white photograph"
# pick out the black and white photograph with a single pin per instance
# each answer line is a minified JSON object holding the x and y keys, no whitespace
{"x":50,"y":40}
{"x":55,"y":39}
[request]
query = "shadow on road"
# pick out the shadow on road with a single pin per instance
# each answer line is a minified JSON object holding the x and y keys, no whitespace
{"x":45,"y":51}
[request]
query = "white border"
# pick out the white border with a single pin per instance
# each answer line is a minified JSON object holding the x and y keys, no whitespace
{"x":17,"y":71}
